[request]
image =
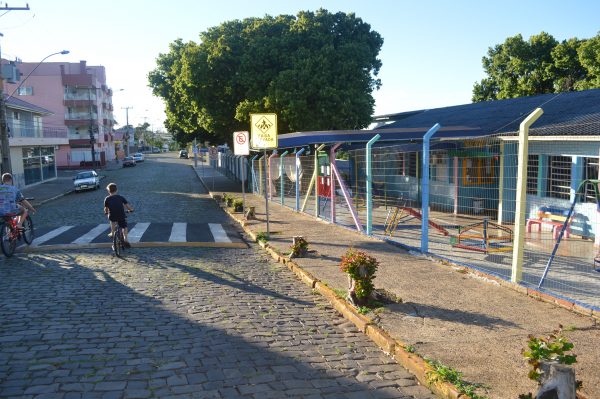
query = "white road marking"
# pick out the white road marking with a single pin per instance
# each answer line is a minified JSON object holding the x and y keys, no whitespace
{"x":218,"y":232}
{"x":178,"y":232}
{"x":50,"y":235}
{"x":137,"y":232}
{"x":90,"y":235}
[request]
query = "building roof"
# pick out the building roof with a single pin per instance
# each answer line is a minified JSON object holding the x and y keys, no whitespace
{"x":570,"y":113}
{"x":16,"y":103}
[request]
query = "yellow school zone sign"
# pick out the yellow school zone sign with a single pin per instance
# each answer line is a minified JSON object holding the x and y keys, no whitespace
{"x":264,"y":131}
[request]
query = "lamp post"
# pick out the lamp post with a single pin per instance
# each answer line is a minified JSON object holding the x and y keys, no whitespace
{"x":127,"y":126}
{"x":4,"y":142}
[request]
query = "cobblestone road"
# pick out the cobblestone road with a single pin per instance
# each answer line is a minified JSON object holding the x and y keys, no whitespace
{"x":179,"y":322}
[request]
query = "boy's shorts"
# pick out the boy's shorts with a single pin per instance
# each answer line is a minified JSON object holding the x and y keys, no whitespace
{"x":122,"y":222}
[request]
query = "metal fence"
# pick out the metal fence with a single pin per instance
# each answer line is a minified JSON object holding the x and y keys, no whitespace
{"x":472,"y":199}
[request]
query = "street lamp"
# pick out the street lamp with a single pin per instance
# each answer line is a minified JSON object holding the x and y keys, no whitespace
{"x":63,"y":52}
{"x":4,"y":142}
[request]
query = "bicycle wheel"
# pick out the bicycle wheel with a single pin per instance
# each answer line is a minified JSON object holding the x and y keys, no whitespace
{"x":116,"y":246}
{"x":28,"y":230}
{"x":8,"y":241}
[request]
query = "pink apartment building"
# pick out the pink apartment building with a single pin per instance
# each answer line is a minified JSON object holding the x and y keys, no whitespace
{"x":81,"y":106}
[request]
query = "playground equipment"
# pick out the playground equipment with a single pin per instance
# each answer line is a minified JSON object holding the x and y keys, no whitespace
{"x":399,"y":213}
{"x":567,"y":222}
{"x":484,"y":236}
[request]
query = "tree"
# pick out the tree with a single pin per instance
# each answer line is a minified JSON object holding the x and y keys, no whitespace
{"x":316,"y":70}
{"x":540,"y":65}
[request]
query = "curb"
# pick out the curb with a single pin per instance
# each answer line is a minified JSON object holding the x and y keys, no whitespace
{"x":410,"y":361}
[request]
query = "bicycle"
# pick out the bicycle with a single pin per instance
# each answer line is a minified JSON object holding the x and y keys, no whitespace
{"x":11,"y":233}
{"x":118,"y":244}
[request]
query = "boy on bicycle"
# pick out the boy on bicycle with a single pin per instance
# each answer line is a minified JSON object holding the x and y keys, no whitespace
{"x":16,"y":204}
{"x":114,"y":207}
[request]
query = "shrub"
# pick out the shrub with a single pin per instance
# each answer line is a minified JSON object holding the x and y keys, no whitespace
{"x":361,"y":268}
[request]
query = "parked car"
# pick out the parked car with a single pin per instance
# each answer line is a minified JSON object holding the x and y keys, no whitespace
{"x":183,"y":154}
{"x":86,"y":180}
{"x":128,"y":161}
{"x":138,"y":157}
{"x":156,"y":150}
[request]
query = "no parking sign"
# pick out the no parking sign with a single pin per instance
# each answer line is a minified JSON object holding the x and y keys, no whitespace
{"x":241,"y":145}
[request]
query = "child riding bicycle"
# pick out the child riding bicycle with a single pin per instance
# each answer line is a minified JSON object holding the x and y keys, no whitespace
{"x":12,"y":200}
{"x":114,"y":207}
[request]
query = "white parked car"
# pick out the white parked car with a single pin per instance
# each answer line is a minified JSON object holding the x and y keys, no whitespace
{"x":86,"y":180}
{"x":138,"y":157}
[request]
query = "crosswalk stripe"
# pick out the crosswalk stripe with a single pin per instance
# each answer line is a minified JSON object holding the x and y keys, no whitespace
{"x":90,"y":235}
{"x":218,"y":232}
{"x":50,"y":235}
{"x":137,"y":232}
{"x":178,"y":232}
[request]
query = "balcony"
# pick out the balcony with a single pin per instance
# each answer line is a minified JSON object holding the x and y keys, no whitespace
{"x":80,"y":95}
{"x":77,"y":80}
{"x":77,"y":103}
{"x":77,"y":116}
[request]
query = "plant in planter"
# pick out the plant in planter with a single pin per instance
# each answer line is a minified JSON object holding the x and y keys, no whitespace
{"x":548,"y":357}
{"x":229,"y":201}
{"x":299,"y":247}
{"x":361,"y":269}
{"x":238,"y":205}
{"x":224,"y":197}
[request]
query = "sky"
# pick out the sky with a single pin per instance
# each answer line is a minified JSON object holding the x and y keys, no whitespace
{"x":431,"y":53}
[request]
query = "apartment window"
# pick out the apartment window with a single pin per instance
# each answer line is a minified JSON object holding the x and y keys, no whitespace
{"x":478,"y":171}
{"x":16,"y":116}
{"x":25,"y":91}
{"x":559,"y":177}
{"x":532,"y":173}
{"x":590,"y":173}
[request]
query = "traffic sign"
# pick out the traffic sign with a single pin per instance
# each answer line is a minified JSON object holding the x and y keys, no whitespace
{"x":264,"y":130}
{"x":241,"y":145}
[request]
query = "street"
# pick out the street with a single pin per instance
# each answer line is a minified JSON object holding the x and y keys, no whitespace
{"x":171,"y":321}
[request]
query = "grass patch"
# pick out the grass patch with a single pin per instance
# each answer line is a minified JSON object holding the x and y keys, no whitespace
{"x":443,"y":373}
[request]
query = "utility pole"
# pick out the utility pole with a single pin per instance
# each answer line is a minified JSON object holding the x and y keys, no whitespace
{"x":127,"y":134}
{"x":4,"y":142}
{"x":92,"y":128}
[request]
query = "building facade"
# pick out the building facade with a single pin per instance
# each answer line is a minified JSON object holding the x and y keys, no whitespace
{"x":81,"y":106}
{"x":32,"y":148}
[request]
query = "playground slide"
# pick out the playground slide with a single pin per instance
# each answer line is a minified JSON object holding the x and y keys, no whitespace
{"x":417,"y":214}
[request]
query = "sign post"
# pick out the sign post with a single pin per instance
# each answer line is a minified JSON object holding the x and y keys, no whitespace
{"x":264,"y":136}
{"x":195,"y":151}
{"x":212,"y":154}
{"x":241,"y":146}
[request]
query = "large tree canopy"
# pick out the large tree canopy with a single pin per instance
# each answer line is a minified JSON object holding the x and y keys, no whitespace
{"x":315,"y":70}
{"x":540,"y":65}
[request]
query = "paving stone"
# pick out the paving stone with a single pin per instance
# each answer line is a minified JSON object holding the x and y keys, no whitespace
{"x":189,"y":322}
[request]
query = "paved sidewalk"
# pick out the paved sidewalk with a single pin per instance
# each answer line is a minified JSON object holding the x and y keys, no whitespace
{"x":62,"y":185}
{"x":465,"y":321}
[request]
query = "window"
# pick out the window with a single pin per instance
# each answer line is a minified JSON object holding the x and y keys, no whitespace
{"x":478,"y":170}
{"x":532,"y":173}
{"x":16,"y":115}
{"x":559,"y":177}
{"x":412,"y":166}
{"x":590,"y":172}
{"x":25,"y":91}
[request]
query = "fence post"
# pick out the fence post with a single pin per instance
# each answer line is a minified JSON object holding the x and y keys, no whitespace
{"x":332,"y":165}
{"x":519,"y":237}
{"x":369,"y":185}
{"x":425,"y":188}
{"x":501,"y":185}
{"x":268,"y":171}
{"x":298,"y":177}
{"x":251,"y":174}
{"x":319,"y":148}
{"x":282,"y":188}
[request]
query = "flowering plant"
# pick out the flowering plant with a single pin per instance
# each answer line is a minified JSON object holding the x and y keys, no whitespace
{"x":361,"y":269}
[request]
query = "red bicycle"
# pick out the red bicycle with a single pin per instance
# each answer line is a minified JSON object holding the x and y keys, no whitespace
{"x":11,"y":233}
